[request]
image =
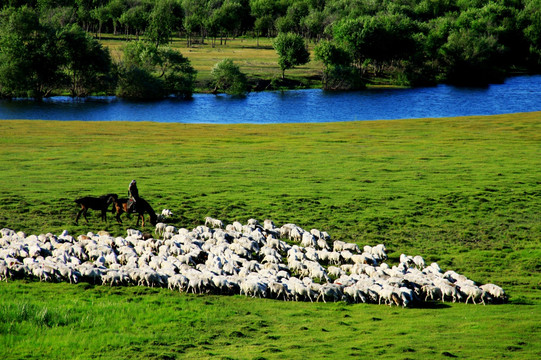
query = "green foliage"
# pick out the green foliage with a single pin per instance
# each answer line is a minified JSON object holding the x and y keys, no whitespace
{"x":291,"y":51}
{"x":379,"y":39}
{"x":417,"y":41}
{"x":330,"y":54}
{"x":532,"y":30}
{"x":342,"y":77}
{"x":177,"y":72}
{"x":87,"y":63}
{"x":228,"y":78}
{"x":163,"y":20}
{"x":30,"y":58}
{"x":469,"y":55}
{"x":163,"y":72}
{"x":338,"y":73}
{"x":139,"y":84}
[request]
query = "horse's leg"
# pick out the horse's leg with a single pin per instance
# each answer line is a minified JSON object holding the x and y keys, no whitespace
{"x":118,"y":213}
{"x":84,"y":214}
{"x":79,"y":214}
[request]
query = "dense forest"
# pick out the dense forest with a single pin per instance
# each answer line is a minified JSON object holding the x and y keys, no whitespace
{"x":52,"y":46}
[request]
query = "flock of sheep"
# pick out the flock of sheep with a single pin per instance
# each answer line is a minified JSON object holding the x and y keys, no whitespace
{"x":286,"y":263}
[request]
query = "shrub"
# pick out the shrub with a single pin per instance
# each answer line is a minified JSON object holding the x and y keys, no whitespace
{"x":228,"y":78}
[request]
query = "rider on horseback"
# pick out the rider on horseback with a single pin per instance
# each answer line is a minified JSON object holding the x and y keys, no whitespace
{"x":133,"y":194}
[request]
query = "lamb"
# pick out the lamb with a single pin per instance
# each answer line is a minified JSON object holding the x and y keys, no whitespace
{"x":390,"y":295}
{"x":254,"y":287}
{"x":338,"y":245}
{"x":166,"y":213}
{"x":268,"y":225}
{"x":419,"y":262}
{"x":335,"y":271}
{"x":296,"y":234}
{"x":379,"y":252}
{"x":329,"y":290}
{"x":495,"y":291}
{"x":134,"y":233}
{"x":252,"y":222}
{"x":473,"y":293}
{"x":237,"y":226}
{"x":352,"y":247}
{"x":160,"y":228}
{"x":308,"y":240}
{"x":431,"y":291}
{"x":407,"y":260}
{"x":215,"y":223}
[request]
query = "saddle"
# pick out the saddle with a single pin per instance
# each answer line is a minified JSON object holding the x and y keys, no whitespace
{"x":131,"y":206}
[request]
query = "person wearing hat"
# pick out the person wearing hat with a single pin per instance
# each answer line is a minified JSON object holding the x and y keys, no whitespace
{"x":133,"y":194}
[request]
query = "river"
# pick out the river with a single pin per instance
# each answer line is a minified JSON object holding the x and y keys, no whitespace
{"x":516,"y":94}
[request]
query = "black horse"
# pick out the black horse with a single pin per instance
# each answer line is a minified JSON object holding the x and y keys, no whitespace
{"x":141,"y":206}
{"x":95,"y":203}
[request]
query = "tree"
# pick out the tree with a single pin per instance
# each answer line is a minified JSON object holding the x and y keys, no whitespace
{"x":481,"y":46}
{"x":338,"y":74}
{"x":116,"y":8}
{"x":380,"y":39}
{"x":177,"y":73}
{"x":264,"y":13}
{"x":291,"y":51}
{"x":532,"y":30}
{"x":135,"y":19}
{"x":314,"y":25}
{"x":87,"y":63}
{"x":293,"y":18}
{"x":137,"y":83}
{"x":194,"y":15}
{"x":228,"y":78}
{"x":162,"y":70}
{"x":102,"y":14}
{"x":30,"y":58}
{"x":163,"y":21}
{"x":330,"y":54}
{"x":470,"y":57}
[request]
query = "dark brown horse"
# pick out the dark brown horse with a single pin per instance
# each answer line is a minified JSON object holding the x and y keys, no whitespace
{"x":141,"y":206}
{"x":95,"y":203}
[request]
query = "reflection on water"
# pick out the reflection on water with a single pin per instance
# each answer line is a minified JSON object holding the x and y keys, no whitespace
{"x":518,"y":94}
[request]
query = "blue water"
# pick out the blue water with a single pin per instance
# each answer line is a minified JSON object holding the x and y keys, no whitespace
{"x":517,"y":94}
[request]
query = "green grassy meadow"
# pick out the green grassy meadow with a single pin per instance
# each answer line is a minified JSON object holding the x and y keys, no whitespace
{"x":464,"y":192}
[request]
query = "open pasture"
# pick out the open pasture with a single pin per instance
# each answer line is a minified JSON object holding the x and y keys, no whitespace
{"x":463,"y":192}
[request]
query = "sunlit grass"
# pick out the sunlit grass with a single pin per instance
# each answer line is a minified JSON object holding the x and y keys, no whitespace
{"x":464,"y":192}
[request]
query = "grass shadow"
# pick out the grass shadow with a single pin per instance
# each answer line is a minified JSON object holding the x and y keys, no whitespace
{"x":430,"y":305}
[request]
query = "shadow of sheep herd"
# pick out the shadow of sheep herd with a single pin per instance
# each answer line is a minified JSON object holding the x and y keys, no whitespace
{"x":258,"y":260}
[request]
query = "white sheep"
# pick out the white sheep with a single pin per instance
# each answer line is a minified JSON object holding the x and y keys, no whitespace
{"x":160,"y":228}
{"x":214,"y":223}
{"x":473,"y":293}
{"x":268,"y":224}
{"x":495,"y":291}
{"x":166,"y":213}
{"x":228,"y":261}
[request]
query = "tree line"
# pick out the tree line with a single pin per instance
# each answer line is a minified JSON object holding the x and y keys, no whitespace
{"x":413,"y":42}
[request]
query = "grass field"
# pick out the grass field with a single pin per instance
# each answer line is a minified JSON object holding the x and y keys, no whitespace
{"x":257,"y":62}
{"x":464,"y":192}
